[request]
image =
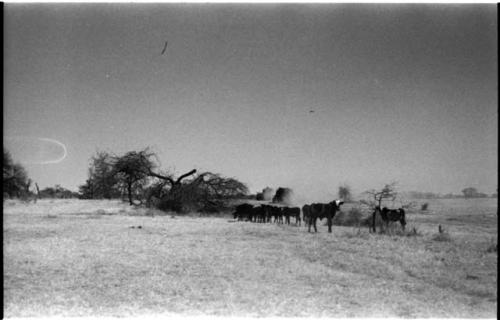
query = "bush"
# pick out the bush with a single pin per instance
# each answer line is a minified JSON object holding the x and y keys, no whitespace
{"x":171,"y":205}
{"x":367,"y":221}
{"x":354,"y":217}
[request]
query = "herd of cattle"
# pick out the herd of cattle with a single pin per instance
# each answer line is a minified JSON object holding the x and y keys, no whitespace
{"x":310,"y":213}
{"x":267,"y":213}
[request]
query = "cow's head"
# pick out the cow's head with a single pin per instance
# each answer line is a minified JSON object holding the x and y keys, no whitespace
{"x":335,"y":206}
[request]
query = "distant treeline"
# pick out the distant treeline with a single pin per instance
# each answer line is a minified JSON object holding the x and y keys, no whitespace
{"x":137,"y":176}
{"x":58,"y":192}
{"x":466,"y":193}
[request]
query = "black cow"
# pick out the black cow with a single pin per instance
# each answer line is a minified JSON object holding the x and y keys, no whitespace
{"x":269,"y":212}
{"x":322,"y":210}
{"x":259,"y":214}
{"x":292,"y":212}
{"x":389,"y":215}
{"x":305,"y":213}
{"x":266,"y":213}
{"x":277,"y":214}
{"x":243,"y":212}
{"x":286,"y":214}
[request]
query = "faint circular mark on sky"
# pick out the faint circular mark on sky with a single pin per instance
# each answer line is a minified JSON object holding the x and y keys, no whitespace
{"x":35,"y":150}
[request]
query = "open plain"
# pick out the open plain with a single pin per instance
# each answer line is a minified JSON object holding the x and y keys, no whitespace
{"x":90,"y":258}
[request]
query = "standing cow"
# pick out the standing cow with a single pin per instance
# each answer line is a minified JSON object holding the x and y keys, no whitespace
{"x":292,"y":212}
{"x":286,"y":214}
{"x":305,"y":214}
{"x":389,"y":215}
{"x":278,"y":214}
{"x":259,"y":214}
{"x":268,"y":212}
{"x":322,"y":210}
{"x":243,"y":212}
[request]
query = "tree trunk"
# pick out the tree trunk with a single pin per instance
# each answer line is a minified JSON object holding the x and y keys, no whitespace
{"x":129,"y":189}
{"x":373,"y":221}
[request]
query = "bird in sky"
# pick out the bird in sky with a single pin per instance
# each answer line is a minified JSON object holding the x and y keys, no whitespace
{"x":311,"y":111}
{"x":164,"y":48}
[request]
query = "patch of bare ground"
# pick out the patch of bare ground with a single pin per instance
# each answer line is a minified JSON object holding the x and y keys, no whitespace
{"x":69,"y":265}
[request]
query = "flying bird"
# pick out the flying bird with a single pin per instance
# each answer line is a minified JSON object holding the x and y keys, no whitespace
{"x":164,"y":48}
{"x":311,"y":111}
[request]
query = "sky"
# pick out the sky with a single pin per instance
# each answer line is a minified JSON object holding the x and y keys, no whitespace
{"x":306,"y":96}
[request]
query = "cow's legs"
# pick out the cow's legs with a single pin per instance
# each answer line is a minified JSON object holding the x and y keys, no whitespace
{"x":312,"y":221}
{"x":373,"y":223}
{"x":329,"y":225}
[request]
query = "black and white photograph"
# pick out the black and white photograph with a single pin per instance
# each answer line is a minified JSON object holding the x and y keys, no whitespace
{"x":250,"y":160}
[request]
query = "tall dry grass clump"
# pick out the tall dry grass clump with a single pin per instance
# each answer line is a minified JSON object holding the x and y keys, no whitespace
{"x":492,"y":247}
{"x":442,"y":237}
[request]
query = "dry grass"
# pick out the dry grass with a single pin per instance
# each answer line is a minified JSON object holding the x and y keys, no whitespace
{"x":82,"y":258}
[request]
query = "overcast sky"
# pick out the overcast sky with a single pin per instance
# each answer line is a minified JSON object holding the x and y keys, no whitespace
{"x":303,"y":96}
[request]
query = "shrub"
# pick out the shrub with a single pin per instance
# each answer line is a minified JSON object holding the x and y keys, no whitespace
{"x":171,"y":205}
{"x":367,"y":221}
{"x":354,"y":217}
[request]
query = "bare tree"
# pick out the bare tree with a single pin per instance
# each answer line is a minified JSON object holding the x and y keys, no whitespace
{"x":133,"y":169}
{"x":102,"y":175}
{"x":222,"y":187}
{"x":388,"y":192}
{"x":169,"y":191}
{"x":169,"y":178}
{"x":137,"y":172}
{"x":15,"y":177}
{"x":206,"y":191}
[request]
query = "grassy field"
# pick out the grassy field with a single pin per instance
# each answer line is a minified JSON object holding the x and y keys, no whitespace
{"x":90,"y":258}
